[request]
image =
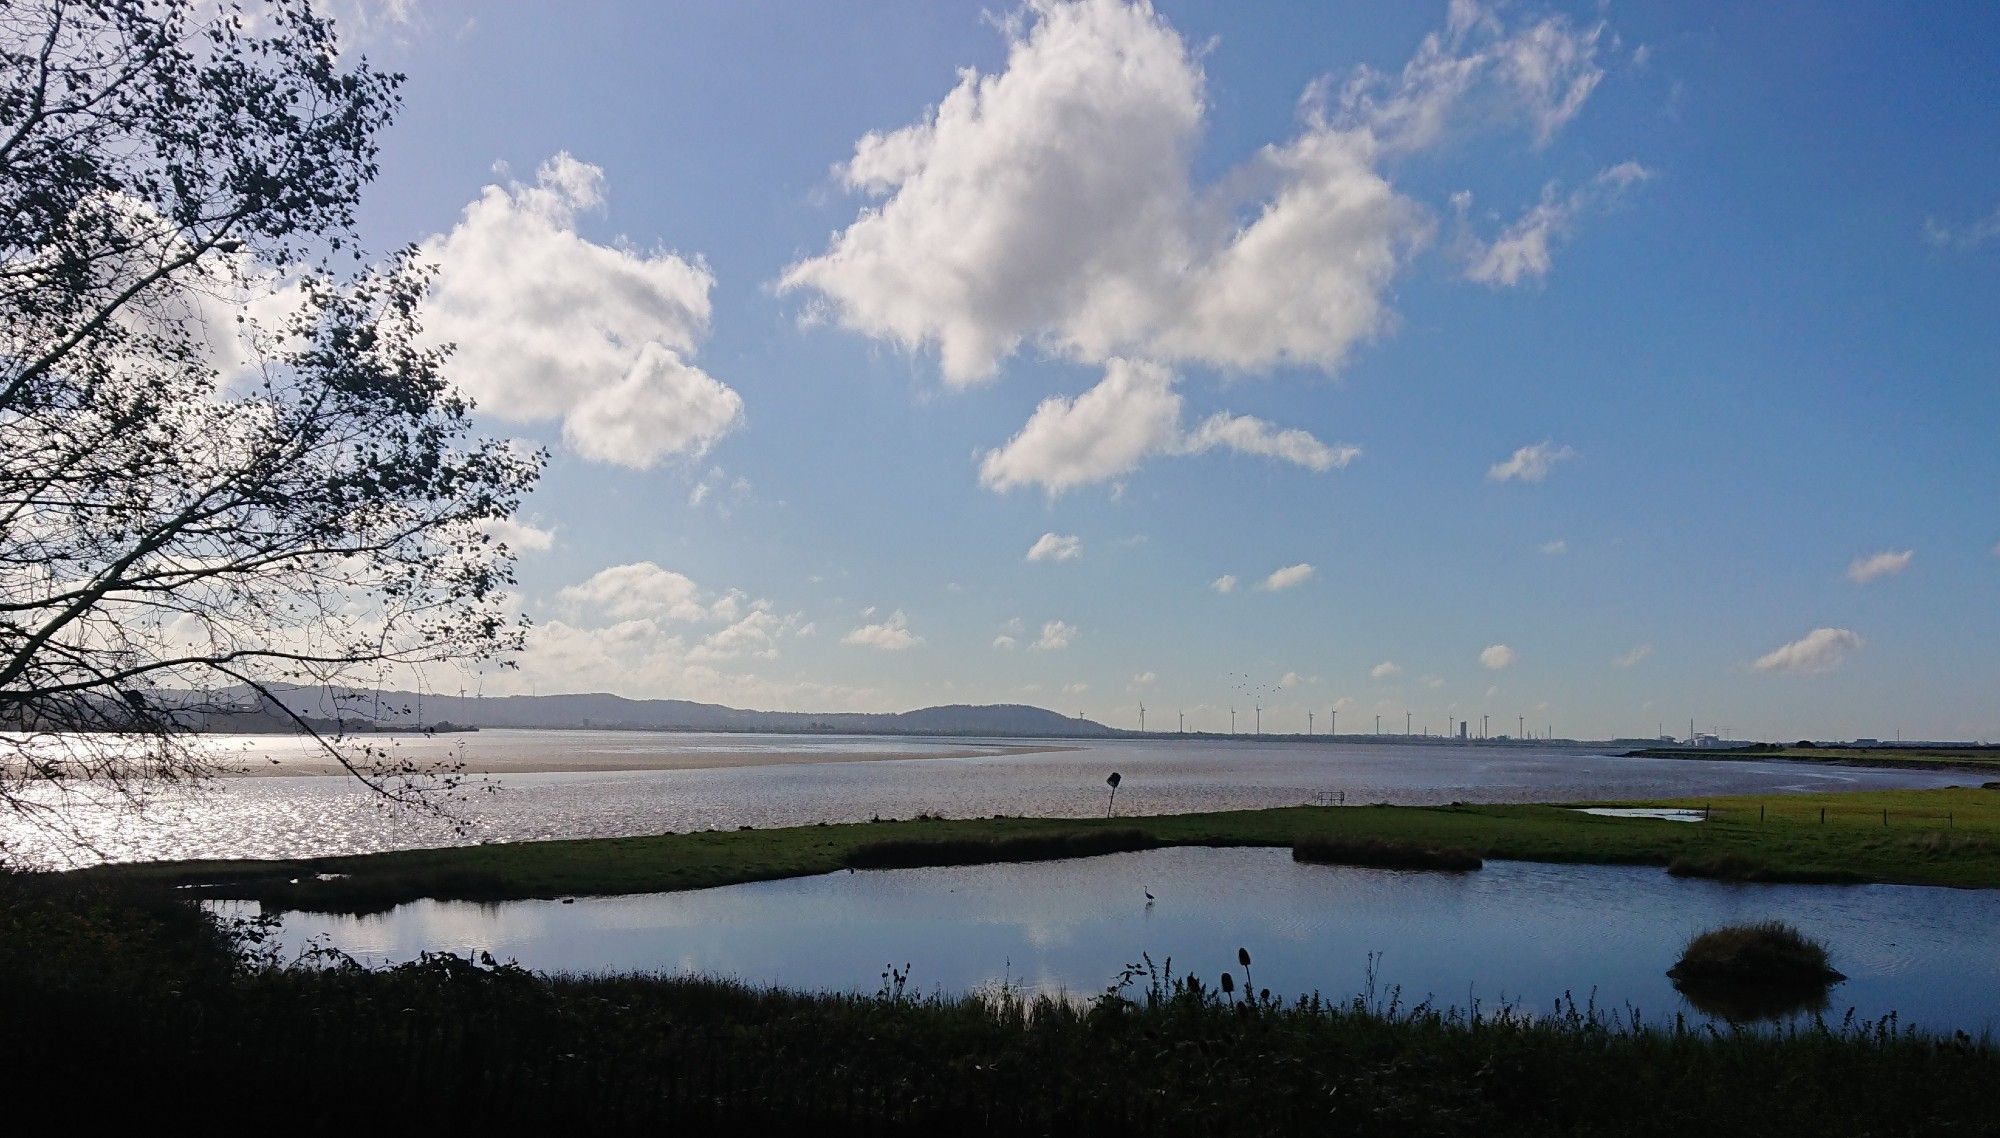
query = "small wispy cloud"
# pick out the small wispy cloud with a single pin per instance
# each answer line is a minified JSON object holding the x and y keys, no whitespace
{"x":1629,"y":659}
{"x":1055,"y":637}
{"x":1287,"y":577}
{"x":1055,"y":547}
{"x":1555,"y":548}
{"x":1875,"y":566}
{"x":1224,"y":584}
{"x":1385,"y":669}
{"x":1496,"y":656}
{"x":1529,"y":463}
{"x":1821,"y":650}
{"x":891,"y":635}
{"x":1971,"y":235}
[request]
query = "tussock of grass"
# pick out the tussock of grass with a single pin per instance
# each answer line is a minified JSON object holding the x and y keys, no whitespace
{"x":908,"y":853}
{"x":1738,"y":867}
{"x":1765,"y":954}
{"x":1383,"y":853}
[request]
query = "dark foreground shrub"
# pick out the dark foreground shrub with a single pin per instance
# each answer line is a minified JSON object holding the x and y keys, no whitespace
{"x":913,"y":852}
{"x":456,"y":1045}
{"x":1383,"y":853}
{"x":1769,"y":954}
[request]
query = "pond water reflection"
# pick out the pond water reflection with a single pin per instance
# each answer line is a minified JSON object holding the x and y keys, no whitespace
{"x":1514,"y":933}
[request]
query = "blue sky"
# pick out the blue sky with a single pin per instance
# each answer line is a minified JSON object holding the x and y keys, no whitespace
{"x":785,"y":287}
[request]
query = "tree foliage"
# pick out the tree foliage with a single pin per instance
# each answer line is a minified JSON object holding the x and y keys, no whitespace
{"x":226,"y":465}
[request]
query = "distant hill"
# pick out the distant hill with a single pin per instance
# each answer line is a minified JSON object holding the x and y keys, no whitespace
{"x":408,"y":710}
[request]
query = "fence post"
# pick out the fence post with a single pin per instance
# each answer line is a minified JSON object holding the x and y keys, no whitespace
{"x":1885,"y":817}
{"x":1760,"y":811}
{"x":1822,"y":815}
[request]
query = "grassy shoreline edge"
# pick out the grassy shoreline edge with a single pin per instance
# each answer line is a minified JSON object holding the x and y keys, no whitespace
{"x":1948,"y":837}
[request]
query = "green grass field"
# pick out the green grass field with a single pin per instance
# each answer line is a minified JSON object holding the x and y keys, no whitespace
{"x":1960,"y":758}
{"x":1930,"y":837}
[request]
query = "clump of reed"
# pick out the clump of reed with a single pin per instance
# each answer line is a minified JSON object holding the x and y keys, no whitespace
{"x":1383,"y":853}
{"x":1768,"y":954}
{"x":908,"y":853}
{"x":1738,"y":867}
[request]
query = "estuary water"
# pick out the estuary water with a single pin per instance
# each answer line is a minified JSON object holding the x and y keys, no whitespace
{"x":730,"y":780}
{"x":1515,"y":934}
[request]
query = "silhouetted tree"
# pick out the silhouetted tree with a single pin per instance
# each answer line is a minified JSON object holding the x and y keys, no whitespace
{"x":224,"y":464}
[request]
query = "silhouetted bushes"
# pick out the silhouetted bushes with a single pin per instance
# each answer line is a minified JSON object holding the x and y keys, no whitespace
{"x":900,"y":853}
{"x":117,"y":1005}
{"x":1383,"y":853}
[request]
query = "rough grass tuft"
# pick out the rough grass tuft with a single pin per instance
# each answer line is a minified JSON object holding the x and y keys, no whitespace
{"x":1382,"y":853}
{"x":1766,"y":954}
{"x":1737,"y":867}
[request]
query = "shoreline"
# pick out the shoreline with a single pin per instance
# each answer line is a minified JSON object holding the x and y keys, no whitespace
{"x":613,"y":762}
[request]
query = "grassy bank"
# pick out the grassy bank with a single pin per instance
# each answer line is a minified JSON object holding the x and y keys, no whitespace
{"x":1931,"y":837}
{"x":447,"y":1042}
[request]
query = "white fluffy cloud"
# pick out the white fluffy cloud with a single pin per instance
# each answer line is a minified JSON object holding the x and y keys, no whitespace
{"x":1052,"y":206}
{"x":890,"y":635}
{"x":1555,"y":548}
{"x":1287,"y":577}
{"x":627,"y":630}
{"x":1386,"y":669}
{"x":1063,"y":183}
{"x":1227,"y":582}
{"x":1529,"y":463}
{"x":639,"y":591}
{"x":1821,"y":650}
{"x":1496,"y":656}
{"x":518,"y":535}
{"x":1876,"y":566}
{"x":1133,"y":414}
{"x":754,"y":635}
{"x":1102,"y":434}
{"x":1055,"y":547}
{"x":551,"y":326}
{"x":1056,"y":636}
{"x":1053,"y":203}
